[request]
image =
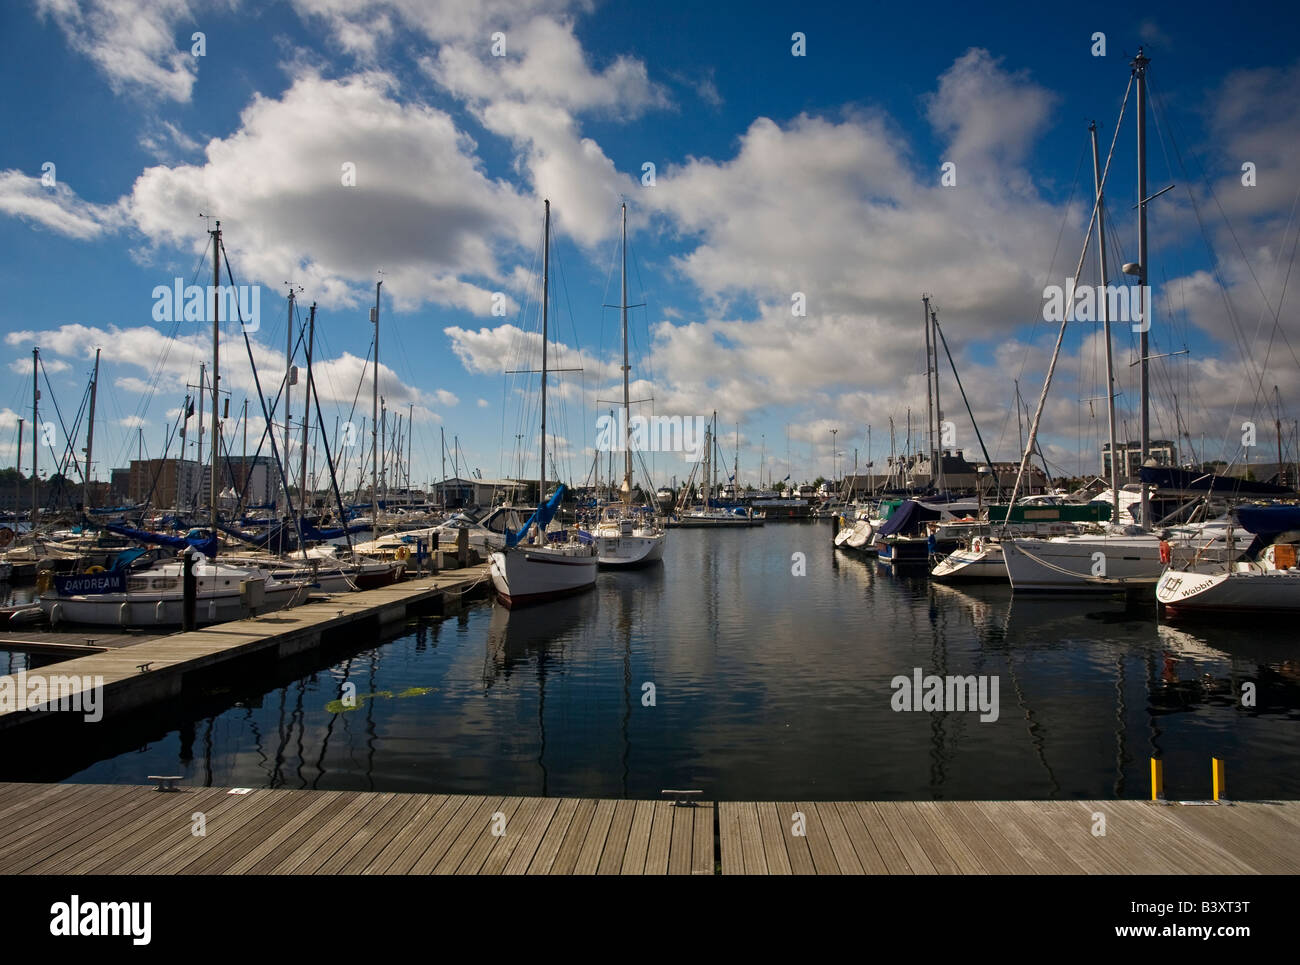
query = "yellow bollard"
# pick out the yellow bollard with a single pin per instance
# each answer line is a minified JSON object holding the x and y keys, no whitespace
{"x":1157,"y":779}
{"x":1216,"y":767}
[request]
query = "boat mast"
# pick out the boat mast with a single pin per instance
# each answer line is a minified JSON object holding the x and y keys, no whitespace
{"x":442,"y":440}
{"x":627,"y":404}
{"x":288,"y":380}
{"x":216,"y":378}
{"x":546,"y":295}
{"x":306,"y":409}
{"x":374,"y":424}
{"x":36,"y":427}
{"x":90,"y":437}
{"x":938,"y":408}
{"x":929,"y":389}
{"x":196,"y":498}
{"x":1105,"y":322}
{"x":1140,"y":71}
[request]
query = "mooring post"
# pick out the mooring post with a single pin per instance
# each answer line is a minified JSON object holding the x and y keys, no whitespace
{"x":1217,"y":776}
{"x":433,"y":555}
{"x":1157,"y":779}
{"x":190,"y":585}
{"x":462,"y":548}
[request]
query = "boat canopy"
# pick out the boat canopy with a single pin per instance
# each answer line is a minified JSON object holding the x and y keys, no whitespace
{"x":1269,"y":521}
{"x":907,"y":517}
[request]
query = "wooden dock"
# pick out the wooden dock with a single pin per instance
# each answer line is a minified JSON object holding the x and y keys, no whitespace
{"x":156,"y":669}
{"x":113,"y":829}
{"x":106,"y":829}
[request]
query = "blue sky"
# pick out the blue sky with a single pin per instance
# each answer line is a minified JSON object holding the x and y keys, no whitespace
{"x":775,"y":174}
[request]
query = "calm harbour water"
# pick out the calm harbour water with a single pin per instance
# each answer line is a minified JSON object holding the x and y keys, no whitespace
{"x":766,"y":685}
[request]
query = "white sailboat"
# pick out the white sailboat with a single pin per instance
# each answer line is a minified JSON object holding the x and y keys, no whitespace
{"x":532,"y":567}
{"x":1125,"y":557}
{"x":623,"y":539}
{"x":1270,"y":584}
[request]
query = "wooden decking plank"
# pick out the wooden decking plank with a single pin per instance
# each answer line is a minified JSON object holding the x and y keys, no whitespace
{"x":315,"y":806}
{"x":993,"y":851}
{"x":751,"y":839}
{"x":897,"y":823}
{"x":89,"y":812}
{"x":819,"y":843}
{"x":517,"y":828}
{"x":594,"y":843}
{"x":338,"y":802}
{"x":436,"y":847}
{"x":733,"y":860}
{"x":679,"y":851}
{"x":330,"y":833}
{"x":405,"y":849}
{"x":543,"y":858}
{"x":62,"y":810}
{"x":331,"y":852}
{"x":638,"y":839}
{"x":176,"y":859}
{"x":864,"y":847}
{"x":96,"y":831}
{"x":702,"y":851}
{"x":1066,"y":839}
{"x":277,"y":806}
{"x":1137,"y":837}
{"x":512,"y":809}
{"x":959,"y":852}
{"x":1004,"y":824}
{"x":381,"y":835}
{"x":479,"y":824}
{"x":620,"y":828}
{"x":846,"y":855}
{"x":773,"y":833}
{"x":575,"y":837}
{"x":1232,"y":845}
{"x":878,"y":828}
{"x":661,"y":836}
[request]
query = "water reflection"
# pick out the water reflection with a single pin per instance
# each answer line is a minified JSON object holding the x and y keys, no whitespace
{"x":724,"y":670}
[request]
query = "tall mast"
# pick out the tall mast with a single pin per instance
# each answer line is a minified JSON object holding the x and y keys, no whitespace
{"x":90,"y":436}
{"x":929,"y":389}
{"x":216,"y":377}
{"x":442,"y":440}
{"x":1105,"y":322}
{"x":306,"y":409}
{"x":36,"y":427}
{"x":1140,"y":69}
{"x":243,"y":461}
{"x":546,"y":294}
{"x":374,"y":423}
{"x":627,"y":405}
{"x":410,"y":422}
{"x":938,"y":408}
{"x":288,"y":382}
{"x":197,"y":495}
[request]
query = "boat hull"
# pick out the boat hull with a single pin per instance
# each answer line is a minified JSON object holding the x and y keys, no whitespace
{"x":524,"y":575}
{"x":983,"y":565}
{"x":625,"y":552}
{"x":141,"y":610}
{"x":1190,"y":591}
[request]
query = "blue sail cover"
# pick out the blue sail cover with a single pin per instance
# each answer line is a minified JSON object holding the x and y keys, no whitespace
{"x":544,"y":514}
{"x":907,"y":519}
{"x":1183,"y":480}
{"x":1269,"y":521}
{"x":208,"y":546}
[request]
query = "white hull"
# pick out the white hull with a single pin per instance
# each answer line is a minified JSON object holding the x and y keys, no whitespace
{"x":985,"y":563}
{"x":634,"y":550}
{"x":1097,"y":564}
{"x":1258,"y":591}
{"x":166,"y":609}
{"x":525,"y":574}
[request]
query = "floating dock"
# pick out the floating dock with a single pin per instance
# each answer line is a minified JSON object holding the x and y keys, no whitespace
{"x":114,"y":829}
{"x":157,"y":669}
